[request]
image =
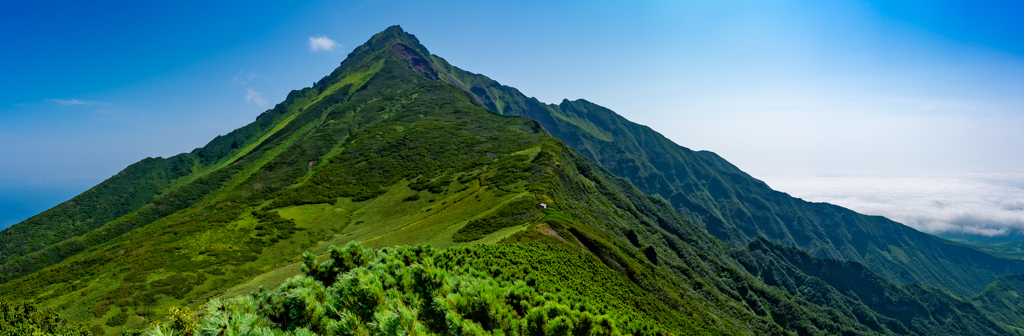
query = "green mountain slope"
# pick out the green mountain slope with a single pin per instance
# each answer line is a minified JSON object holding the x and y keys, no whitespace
{"x":415,"y":159}
{"x":385,"y":152}
{"x":852,"y":286}
{"x":28,"y":319}
{"x":142,"y":193}
{"x":1011,"y":250}
{"x":736,"y":207}
{"x":1003,"y":301}
{"x":143,"y":181}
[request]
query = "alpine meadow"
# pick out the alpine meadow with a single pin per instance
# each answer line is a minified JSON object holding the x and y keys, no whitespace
{"x":402,"y":195}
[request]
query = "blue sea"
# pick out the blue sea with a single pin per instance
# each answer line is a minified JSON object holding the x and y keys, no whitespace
{"x":21,"y":200}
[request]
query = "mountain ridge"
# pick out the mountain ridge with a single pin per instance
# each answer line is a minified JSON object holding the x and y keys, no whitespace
{"x":379,"y":153}
{"x":736,"y":207}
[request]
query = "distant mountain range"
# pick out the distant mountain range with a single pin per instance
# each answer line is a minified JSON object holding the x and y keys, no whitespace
{"x":397,"y":148}
{"x":736,"y":207}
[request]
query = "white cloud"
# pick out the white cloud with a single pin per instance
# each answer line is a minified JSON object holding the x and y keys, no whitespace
{"x":322,"y":43}
{"x":968,"y":204}
{"x":71,"y":102}
{"x":251,"y":96}
{"x":243,"y":78}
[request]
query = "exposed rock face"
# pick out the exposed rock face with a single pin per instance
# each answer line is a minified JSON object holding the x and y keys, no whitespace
{"x":418,"y":62}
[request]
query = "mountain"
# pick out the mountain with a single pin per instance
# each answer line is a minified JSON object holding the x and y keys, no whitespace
{"x":1003,"y":301}
{"x":123,"y":193}
{"x":1011,"y":235}
{"x":1013,"y":249}
{"x":386,"y":152}
{"x":734,"y":206}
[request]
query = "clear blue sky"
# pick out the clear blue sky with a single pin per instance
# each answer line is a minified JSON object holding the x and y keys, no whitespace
{"x":784,"y":87}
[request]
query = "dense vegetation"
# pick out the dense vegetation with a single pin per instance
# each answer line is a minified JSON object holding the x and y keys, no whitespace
{"x":1003,"y":301}
{"x":29,"y":319}
{"x":119,"y":204}
{"x":379,"y":153}
{"x":178,"y":199}
{"x":214,"y":232}
{"x":851,"y":287}
{"x":1011,"y":249}
{"x":515,"y":213}
{"x":129,"y":190}
{"x":402,"y":290}
{"x":734,"y":206}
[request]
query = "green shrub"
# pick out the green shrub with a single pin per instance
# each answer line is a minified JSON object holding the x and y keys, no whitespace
{"x":118,"y":319}
{"x":515,"y":213}
{"x":100,"y":309}
{"x":402,"y":290}
{"x":29,"y":319}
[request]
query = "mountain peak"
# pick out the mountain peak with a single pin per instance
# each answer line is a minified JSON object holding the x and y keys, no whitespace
{"x":389,"y":37}
{"x":395,"y":34}
{"x":394,"y":30}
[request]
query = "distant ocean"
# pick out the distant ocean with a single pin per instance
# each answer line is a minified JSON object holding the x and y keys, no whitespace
{"x":21,"y":200}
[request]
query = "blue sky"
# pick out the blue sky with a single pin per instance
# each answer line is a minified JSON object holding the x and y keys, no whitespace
{"x":841,"y":89}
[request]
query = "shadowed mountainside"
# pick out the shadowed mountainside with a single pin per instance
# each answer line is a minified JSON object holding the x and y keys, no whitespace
{"x":736,"y":207}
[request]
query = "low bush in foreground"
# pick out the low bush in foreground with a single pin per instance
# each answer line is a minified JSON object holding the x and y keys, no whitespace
{"x":28,"y":319}
{"x":395,"y":291}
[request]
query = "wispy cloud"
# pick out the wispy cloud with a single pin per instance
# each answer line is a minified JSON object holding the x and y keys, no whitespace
{"x":244,"y":78}
{"x":983,"y":205}
{"x":251,"y":96}
{"x":322,"y":43}
{"x":72,"y":102}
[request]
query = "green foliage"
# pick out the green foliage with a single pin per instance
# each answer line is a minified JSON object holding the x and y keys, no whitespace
{"x":1011,"y":249}
{"x":511,"y":169}
{"x":419,"y":184}
{"x":439,"y":184}
{"x":174,"y":285}
{"x":341,"y":260}
{"x":183,"y":320}
{"x":514,"y":213}
{"x":129,"y":190}
{"x":336,"y":163}
{"x":855,"y":290}
{"x":29,"y":319}
{"x":405,"y":290}
{"x":271,"y":224}
{"x":1003,"y":301}
{"x":566,"y":271}
{"x":118,"y":319}
{"x":222,"y":146}
{"x":212,"y":232}
{"x":735,"y":207}
{"x":181,"y":198}
{"x":384,"y":154}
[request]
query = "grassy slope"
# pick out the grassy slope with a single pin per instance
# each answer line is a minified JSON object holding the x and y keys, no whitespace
{"x":107,"y":209}
{"x":1011,"y":249}
{"x":696,"y":287}
{"x":203,"y":249}
{"x":632,"y":225}
{"x":345,"y":167}
{"x":1003,"y":301}
{"x":100,"y":204}
{"x":854,"y":287}
{"x":736,"y":207}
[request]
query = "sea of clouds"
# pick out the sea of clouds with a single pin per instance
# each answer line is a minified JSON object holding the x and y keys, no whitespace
{"x":984,"y":205}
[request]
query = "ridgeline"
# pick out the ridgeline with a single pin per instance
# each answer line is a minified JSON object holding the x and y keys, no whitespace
{"x":430,"y":177}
